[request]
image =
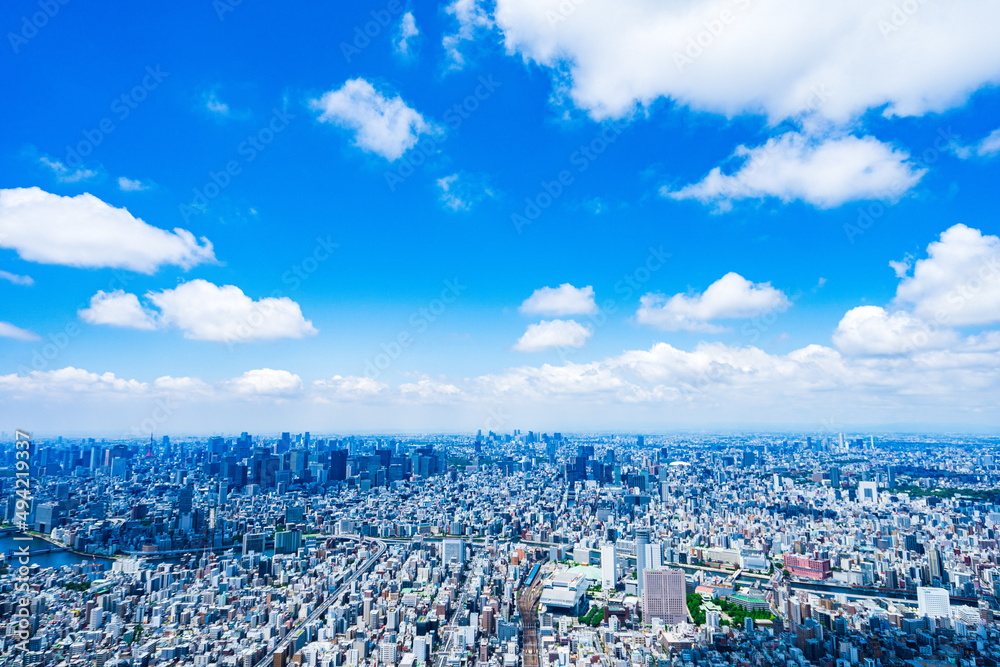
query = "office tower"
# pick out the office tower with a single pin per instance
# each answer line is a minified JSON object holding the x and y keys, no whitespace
{"x":641,"y":540}
{"x":640,"y":441}
{"x":654,"y":557}
{"x":891,"y":475}
{"x":453,"y":549}
{"x":185,"y":499}
{"x":223,"y":492}
{"x":253,"y":543}
{"x":934,"y":563}
{"x":609,"y":566}
{"x":287,"y":541}
{"x":285,"y":443}
{"x":933,"y":602}
{"x":868,"y":492}
{"x":664,"y":596}
{"x":338,"y":464}
{"x":835,"y":478}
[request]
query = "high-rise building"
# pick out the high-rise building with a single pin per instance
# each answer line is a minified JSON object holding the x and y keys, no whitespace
{"x":609,"y":566}
{"x":453,"y":549}
{"x":253,"y":543}
{"x":664,"y":596}
{"x":933,"y":602}
{"x":641,"y":540}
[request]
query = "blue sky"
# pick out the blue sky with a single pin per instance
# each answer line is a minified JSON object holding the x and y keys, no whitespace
{"x":731,"y":147}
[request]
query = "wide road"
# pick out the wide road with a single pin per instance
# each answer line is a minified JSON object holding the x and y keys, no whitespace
{"x":268,"y":660}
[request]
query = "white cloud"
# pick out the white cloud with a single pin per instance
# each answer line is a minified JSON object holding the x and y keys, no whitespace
{"x":824,"y":173}
{"x":186,"y":386}
{"x":462,"y":192}
{"x":382,"y":125}
{"x":8,"y":330}
{"x":216,"y":106}
{"x":85,"y":232}
{"x":407,"y":30}
{"x":350,"y":388}
{"x":759,"y":57}
{"x":205,"y":311}
{"x":428,"y":389}
{"x":902,"y":267}
{"x":16,"y":278}
{"x":871,"y":330}
{"x":730,"y":297}
{"x":473,"y":20}
{"x":119,"y":309}
{"x":266,"y":382}
{"x":560,"y":301}
{"x":987,"y":147}
{"x":64,"y":174}
{"x":958,"y":283}
{"x":131,"y":185}
{"x":553,"y":333}
{"x":70,"y":382}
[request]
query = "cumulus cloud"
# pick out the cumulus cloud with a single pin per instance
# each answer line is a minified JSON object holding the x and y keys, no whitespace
{"x":203,"y":311}
{"x":407,"y":31}
{"x":266,"y":382}
{"x":825,"y":173}
{"x":473,"y":20}
{"x":871,"y":330}
{"x":839,"y":59}
{"x":428,"y":389}
{"x":560,"y":301}
{"x":16,"y":278}
{"x":85,"y":232}
{"x":69,"y":382}
{"x":548,"y":334}
{"x":8,"y":330}
{"x":382,"y":125}
{"x":64,"y":174}
{"x":119,"y":309}
{"x":958,"y":283}
{"x":730,"y":297}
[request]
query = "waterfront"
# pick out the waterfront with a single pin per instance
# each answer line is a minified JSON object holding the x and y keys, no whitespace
{"x":54,"y":559}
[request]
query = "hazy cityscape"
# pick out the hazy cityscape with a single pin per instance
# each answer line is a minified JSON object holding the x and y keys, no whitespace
{"x":502,"y":549}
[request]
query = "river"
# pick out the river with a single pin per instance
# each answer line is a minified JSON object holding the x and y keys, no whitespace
{"x":55,"y":559}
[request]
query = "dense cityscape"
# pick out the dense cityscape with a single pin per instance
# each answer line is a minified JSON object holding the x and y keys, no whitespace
{"x":514,"y":549}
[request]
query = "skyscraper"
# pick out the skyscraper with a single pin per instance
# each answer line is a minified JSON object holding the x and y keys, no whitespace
{"x":933,"y":602}
{"x":609,"y":566}
{"x":665,"y":596}
{"x":641,"y":540}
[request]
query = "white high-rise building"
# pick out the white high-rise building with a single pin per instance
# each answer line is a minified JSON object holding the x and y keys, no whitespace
{"x":609,"y":566}
{"x":933,"y":602}
{"x":453,"y":549}
{"x":654,"y":556}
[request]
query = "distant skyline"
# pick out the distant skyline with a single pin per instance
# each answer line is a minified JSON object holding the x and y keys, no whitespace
{"x":410,"y":217}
